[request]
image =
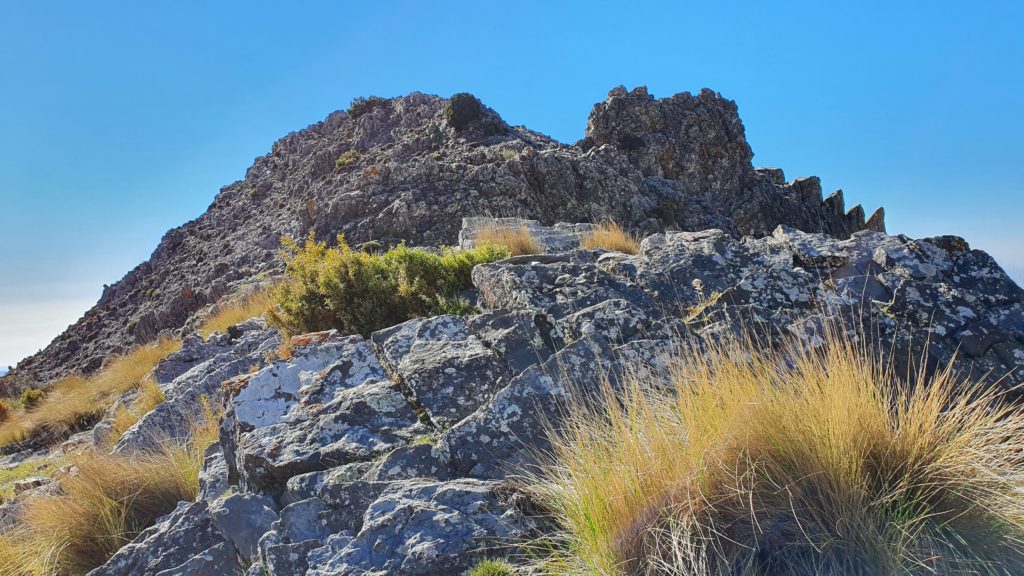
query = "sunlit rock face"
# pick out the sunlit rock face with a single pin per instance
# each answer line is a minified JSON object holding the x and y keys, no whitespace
{"x":396,"y":454}
{"x":411,"y":168}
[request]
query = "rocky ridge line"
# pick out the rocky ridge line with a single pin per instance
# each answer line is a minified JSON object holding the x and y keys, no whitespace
{"x":409,"y":168}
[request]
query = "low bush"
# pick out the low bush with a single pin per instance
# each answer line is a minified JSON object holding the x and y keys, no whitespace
{"x":347,"y":159}
{"x":360,"y":105}
{"x":610,"y":236}
{"x":822,"y":462}
{"x":462,"y":109}
{"x":5,"y":410}
{"x":74,"y":403}
{"x":358,"y":293}
{"x":517,"y":240}
{"x":32,"y":398}
{"x":231,"y":312}
{"x":102,"y":506}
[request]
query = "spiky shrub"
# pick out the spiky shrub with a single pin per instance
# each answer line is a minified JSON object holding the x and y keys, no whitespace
{"x":823,"y":462}
{"x":610,"y":236}
{"x":357,"y":293}
{"x":103,"y":505}
{"x":516,"y":239}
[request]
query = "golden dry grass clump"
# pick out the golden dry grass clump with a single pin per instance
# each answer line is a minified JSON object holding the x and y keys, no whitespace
{"x":75,"y":401}
{"x":610,"y":236}
{"x":517,"y":240}
{"x":103,"y":505}
{"x":232,"y":312}
{"x":822,"y":462}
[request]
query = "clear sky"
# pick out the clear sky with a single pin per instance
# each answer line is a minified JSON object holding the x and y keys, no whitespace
{"x":119,"y":120}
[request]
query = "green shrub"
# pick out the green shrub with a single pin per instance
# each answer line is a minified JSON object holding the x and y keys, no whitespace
{"x":462,"y":109}
{"x":358,"y":293}
{"x":492,"y":568}
{"x":32,"y":398}
{"x":347,"y":159}
{"x":361,"y":105}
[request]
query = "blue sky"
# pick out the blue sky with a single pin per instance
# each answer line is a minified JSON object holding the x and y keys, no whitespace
{"x":120,"y":120}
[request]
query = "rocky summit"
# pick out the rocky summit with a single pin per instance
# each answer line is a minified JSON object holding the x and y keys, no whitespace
{"x":398,"y":453}
{"x":410,"y":168}
{"x":402,"y":451}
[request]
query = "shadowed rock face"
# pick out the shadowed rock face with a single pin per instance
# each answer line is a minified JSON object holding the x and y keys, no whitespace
{"x":399,"y":170}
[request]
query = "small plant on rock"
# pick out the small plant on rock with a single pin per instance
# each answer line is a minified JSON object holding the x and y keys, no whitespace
{"x":361,"y":106}
{"x":517,"y":240}
{"x":492,"y":568}
{"x":348,"y":158}
{"x":610,"y":236}
{"x":32,"y":398}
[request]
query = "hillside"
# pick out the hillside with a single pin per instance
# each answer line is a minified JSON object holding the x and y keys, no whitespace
{"x":399,"y":169}
{"x":487,"y":353}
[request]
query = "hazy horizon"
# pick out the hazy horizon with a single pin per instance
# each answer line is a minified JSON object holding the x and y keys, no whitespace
{"x":123,"y":120}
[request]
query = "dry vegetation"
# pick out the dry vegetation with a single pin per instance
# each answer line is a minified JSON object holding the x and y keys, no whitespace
{"x":611,"y":236}
{"x":126,"y":415}
{"x":745,"y":463}
{"x":518,"y":240}
{"x":76,"y":402}
{"x":232,"y":312}
{"x":102,"y":506}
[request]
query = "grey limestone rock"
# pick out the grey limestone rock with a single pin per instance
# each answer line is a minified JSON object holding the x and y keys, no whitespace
{"x":651,"y":164}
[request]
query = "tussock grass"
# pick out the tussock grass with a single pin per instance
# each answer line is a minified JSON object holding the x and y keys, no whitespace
{"x":232,"y":312}
{"x":517,"y":240}
{"x":610,"y":236}
{"x":824,"y":462}
{"x":76,"y":402}
{"x":125,"y":416}
{"x":103,"y":505}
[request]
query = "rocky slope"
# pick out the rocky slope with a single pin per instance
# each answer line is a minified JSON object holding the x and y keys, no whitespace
{"x":397,"y":454}
{"x":410,"y":168}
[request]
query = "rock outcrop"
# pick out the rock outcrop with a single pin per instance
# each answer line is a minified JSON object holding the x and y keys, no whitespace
{"x":396,"y":454}
{"x":410,"y":168}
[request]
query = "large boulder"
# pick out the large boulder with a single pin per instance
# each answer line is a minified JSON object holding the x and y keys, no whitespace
{"x":329,"y":404}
